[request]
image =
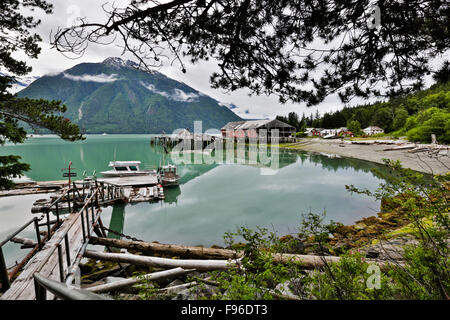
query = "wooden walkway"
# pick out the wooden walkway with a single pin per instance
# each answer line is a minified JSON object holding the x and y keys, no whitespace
{"x":60,"y":256}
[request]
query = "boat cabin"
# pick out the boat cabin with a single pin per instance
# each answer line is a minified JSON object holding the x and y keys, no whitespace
{"x":124,"y":166}
{"x":169,"y":168}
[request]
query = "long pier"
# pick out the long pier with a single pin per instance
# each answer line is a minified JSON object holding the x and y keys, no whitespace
{"x":57,"y":254}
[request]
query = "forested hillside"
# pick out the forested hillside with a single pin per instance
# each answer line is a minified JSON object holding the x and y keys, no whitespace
{"x":115,"y":96}
{"x":415,"y":116}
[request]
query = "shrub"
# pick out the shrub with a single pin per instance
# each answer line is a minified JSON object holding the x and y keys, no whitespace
{"x":258,"y":274}
{"x":425,"y":273}
{"x":431,"y":122}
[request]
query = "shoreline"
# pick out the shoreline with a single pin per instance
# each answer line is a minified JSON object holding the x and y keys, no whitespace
{"x":420,"y":162}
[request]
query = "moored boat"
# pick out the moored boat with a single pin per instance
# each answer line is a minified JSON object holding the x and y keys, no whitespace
{"x":168,"y":175}
{"x":126,"y":169}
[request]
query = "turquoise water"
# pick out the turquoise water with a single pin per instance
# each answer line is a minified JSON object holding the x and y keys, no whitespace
{"x":211,"y":199}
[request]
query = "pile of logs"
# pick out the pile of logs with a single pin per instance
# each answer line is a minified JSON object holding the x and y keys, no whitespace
{"x":397,"y":145}
{"x":189,"y":259}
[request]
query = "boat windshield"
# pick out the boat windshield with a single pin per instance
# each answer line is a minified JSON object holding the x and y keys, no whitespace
{"x":121,"y":168}
{"x":133,"y":168}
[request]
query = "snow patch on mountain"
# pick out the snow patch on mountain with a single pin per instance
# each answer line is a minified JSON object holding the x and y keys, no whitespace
{"x":118,"y":63}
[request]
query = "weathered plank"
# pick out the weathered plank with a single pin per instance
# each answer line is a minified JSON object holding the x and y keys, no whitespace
{"x":46,"y":261}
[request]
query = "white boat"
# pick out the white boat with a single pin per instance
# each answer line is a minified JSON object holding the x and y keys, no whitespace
{"x":126,"y":169}
{"x":168,"y":175}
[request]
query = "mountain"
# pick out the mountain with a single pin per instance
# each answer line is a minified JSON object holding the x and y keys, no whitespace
{"x":245,"y":112}
{"x":115,"y":96}
{"x":21,"y":82}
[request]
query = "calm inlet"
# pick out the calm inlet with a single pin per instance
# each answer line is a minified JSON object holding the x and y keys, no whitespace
{"x":211,"y":199}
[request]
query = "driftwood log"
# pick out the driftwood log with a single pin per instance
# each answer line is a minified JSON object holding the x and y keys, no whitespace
{"x":27,"y":243}
{"x":151,"y":248}
{"x":306,"y":261}
{"x":201,"y":265}
{"x":108,"y":287}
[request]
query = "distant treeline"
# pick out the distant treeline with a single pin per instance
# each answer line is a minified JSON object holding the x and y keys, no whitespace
{"x":416,"y":116}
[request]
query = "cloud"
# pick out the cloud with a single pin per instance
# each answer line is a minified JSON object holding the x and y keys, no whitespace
{"x":102,"y":78}
{"x":180,"y":95}
{"x":152,"y":88}
{"x":176,"y":95}
{"x":197,"y":75}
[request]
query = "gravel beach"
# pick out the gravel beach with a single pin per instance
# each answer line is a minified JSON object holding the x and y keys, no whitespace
{"x":420,"y":161}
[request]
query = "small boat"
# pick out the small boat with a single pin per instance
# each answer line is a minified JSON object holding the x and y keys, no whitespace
{"x":168,"y":175}
{"x":126,"y":169}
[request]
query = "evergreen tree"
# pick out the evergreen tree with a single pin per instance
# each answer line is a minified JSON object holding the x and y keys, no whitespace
{"x":401,"y":115}
{"x":270,"y":47}
{"x":443,"y":74}
{"x":355,"y":127}
{"x":16,"y":37}
{"x":383,"y":119}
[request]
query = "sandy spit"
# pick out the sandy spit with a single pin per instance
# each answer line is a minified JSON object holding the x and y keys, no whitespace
{"x":421,"y":161}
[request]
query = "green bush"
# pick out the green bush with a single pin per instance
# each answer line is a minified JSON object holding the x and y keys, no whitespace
{"x":424,"y":274}
{"x":258,"y":274}
{"x":432,"y":121}
{"x":349,"y":279}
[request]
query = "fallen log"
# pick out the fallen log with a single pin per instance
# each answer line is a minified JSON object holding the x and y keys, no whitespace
{"x":151,"y":248}
{"x":175,"y":289}
{"x":399,"y":148}
{"x":108,"y":287}
{"x":307,"y":261}
{"x":419,"y":149}
{"x":27,"y":243}
{"x":201,"y":265}
{"x":312,"y":262}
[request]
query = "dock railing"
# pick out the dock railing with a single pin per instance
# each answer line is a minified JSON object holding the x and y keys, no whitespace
{"x":90,"y":196}
{"x":4,"y":276}
{"x":88,"y":219}
{"x":65,"y":292}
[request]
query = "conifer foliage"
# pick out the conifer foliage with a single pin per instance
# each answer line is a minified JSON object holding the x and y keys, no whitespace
{"x":15,"y":36}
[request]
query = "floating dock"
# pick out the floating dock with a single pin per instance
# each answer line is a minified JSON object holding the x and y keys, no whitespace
{"x":126,"y":189}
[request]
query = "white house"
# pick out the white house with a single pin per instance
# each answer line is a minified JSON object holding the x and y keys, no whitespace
{"x":329,"y":132}
{"x":370,"y":131}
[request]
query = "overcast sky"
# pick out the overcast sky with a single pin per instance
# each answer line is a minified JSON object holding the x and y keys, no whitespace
{"x":197,"y":76}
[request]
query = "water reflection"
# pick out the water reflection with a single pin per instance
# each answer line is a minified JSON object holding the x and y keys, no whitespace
{"x":212,"y":198}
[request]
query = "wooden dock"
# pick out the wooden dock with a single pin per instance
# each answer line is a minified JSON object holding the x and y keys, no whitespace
{"x":42,"y":187}
{"x":26,"y":188}
{"x":111,"y":190}
{"x":68,"y":236}
{"x":59,"y":257}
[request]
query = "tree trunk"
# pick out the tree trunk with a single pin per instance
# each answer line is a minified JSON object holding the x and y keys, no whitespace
{"x":307,"y":261}
{"x":201,"y":265}
{"x":108,"y":287}
{"x":311,"y":262}
{"x":27,"y":243}
{"x":151,"y":248}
